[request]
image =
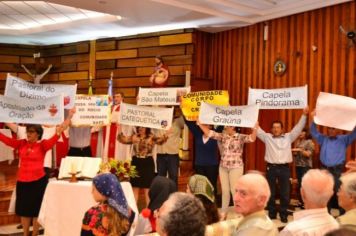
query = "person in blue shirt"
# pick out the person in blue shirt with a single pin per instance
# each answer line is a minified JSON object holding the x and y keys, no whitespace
{"x":333,"y":154}
{"x":206,"y":153}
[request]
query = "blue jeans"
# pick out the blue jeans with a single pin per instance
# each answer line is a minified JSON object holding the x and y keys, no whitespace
{"x":280,"y":172}
{"x":168,"y":164}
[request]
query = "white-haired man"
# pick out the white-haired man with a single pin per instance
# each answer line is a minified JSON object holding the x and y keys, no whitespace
{"x":317,"y":189}
{"x":347,"y":199}
{"x":251,"y":195}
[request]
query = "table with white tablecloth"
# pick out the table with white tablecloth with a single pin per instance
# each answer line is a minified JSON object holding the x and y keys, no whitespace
{"x":64,"y":205}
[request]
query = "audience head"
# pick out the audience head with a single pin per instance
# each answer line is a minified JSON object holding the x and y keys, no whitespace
{"x":347,"y":191}
{"x":248,"y":198}
{"x":317,"y":188}
{"x":201,"y":187}
{"x":107,"y":188}
{"x":160,"y":189}
{"x":34,"y":132}
{"x":118,"y":98}
{"x":182,"y":214}
{"x":277,"y":128}
{"x":305,"y":134}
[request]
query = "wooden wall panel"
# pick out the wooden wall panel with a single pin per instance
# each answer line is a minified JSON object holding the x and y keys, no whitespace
{"x":237,"y":59}
{"x":130,"y":59}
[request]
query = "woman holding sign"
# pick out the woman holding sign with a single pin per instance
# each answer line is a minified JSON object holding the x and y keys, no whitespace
{"x":231,"y":145}
{"x":143,"y":142}
{"x":32,"y":180}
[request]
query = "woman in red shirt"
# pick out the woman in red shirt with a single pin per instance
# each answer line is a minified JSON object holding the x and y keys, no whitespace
{"x":31,"y":178}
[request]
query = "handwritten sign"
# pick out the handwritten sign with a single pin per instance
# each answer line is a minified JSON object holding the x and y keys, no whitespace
{"x":151,"y":117}
{"x":240,"y":116}
{"x":91,"y":110}
{"x":44,"y":111}
{"x":284,"y":98}
{"x":191,"y":102}
{"x":20,"y":89}
{"x":335,"y":111}
{"x":161,"y":96}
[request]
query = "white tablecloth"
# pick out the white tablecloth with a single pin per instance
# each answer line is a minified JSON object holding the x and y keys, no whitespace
{"x":64,"y":205}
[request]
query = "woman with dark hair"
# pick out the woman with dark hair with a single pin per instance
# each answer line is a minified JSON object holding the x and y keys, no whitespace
{"x":31,"y":179}
{"x":303,"y":152}
{"x":231,"y":144}
{"x":143,"y":142}
{"x":159,"y":78}
{"x":112,"y":216}
{"x":200,"y":186}
{"x":159,"y":192}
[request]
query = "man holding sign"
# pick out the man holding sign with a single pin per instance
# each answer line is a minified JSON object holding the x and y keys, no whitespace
{"x":333,"y":155}
{"x":278,"y":156}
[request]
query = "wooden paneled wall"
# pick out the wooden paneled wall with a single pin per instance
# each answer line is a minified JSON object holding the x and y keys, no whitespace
{"x":238,"y":59}
{"x":131,"y":59}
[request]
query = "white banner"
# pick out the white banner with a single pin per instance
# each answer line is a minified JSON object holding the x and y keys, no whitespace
{"x":284,"y":98}
{"x":161,"y":96}
{"x":240,"y":116}
{"x":335,"y":111}
{"x":151,"y":117}
{"x":91,"y":110}
{"x":21,"y":89}
{"x":44,"y":111}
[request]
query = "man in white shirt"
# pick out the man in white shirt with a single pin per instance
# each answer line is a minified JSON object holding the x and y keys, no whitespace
{"x":278,"y":156}
{"x":317,"y":189}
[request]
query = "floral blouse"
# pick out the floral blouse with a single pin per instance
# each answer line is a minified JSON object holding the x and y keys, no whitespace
{"x":231,"y":148}
{"x":95,"y":221}
{"x":300,"y":159}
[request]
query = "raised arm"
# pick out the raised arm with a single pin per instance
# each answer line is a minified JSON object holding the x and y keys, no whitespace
{"x":12,"y":127}
{"x":253,"y":134}
{"x":46,"y":71}
{"x":12,"y":142}
{"x":314,"y":132}
{"x":38,"y":78}
{"x":350,"y":137}
{"x":193,"y":127}
{"x":261,"y":134}
{"x":66,"y":123}
{"x":27,"y":70}
{"x":297,"y":129}
{"x":204,"y":128}
{"x":125,"y":139}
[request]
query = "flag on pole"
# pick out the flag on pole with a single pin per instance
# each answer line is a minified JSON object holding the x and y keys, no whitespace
{"x":90,"y":90}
